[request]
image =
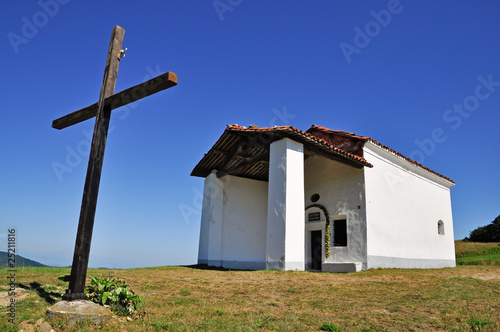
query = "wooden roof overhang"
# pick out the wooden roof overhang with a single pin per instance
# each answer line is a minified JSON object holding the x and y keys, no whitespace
{"x":244,"y":152}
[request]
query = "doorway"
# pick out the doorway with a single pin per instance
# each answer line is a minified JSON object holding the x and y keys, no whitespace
{"x":316,"y":250}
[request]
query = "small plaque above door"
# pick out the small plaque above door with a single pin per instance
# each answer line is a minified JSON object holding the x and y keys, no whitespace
{"x":313,"y":216}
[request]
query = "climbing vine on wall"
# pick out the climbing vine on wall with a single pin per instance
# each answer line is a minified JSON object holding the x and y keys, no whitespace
{"x":327,"y":239}
{"x":327,"y":229}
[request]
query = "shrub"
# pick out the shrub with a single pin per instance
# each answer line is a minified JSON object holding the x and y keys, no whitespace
{"x":488,"y":233}
{"x":115,"y":293}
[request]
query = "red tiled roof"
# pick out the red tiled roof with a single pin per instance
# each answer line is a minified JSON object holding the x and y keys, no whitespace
{"x":244,"y":152}
{"x":314,"y":129}
{"x":336,"y":144}
{"x":309,"y":138}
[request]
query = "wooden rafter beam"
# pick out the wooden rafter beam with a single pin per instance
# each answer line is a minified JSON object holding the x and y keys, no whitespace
{"x":261,"y":157}
{"x":221,"y":152}
{"x":231,"y":157}
{"x":122,"y":98}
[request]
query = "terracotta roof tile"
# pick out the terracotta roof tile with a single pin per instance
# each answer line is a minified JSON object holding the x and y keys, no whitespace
{"x":304,"y":135}
{"x":341,"y":145}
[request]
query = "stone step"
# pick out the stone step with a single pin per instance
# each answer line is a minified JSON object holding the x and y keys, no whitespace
{"x":343,"y":267}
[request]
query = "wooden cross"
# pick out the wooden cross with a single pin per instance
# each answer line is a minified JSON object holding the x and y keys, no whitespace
{"x":102,"y":111}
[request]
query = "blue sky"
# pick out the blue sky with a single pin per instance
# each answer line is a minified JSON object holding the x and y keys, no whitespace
{"x":422,"y":77}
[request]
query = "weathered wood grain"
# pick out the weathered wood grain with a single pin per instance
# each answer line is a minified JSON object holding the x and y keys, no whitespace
{"x":76,"y":289}
{"x":120,"y":99}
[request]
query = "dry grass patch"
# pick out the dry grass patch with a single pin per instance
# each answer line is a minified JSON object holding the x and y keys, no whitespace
{"x":189,"y":298}
{"x":467,"y":248}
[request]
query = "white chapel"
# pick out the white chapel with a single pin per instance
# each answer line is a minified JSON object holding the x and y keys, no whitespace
{"x":320,"y":199}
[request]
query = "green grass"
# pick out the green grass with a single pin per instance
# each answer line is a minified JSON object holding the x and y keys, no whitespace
{"x":195,"y":299}
{"x":475,"y":253}
{"x":480,"y":260}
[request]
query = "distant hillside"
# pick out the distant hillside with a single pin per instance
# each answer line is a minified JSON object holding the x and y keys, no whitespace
{"x":20,"y":261}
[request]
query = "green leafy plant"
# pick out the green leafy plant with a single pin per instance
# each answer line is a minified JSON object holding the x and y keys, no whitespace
{"x":327,"y":240}
{"x":476,"y":325}
{"x":330,"y":327}
{"x":116,"y":293}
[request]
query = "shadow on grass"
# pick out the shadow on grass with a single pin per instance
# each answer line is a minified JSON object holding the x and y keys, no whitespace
{"x":211,"y":268}
{"x":49,"y":297}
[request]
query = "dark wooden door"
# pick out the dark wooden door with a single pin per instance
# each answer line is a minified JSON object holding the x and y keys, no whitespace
{"x":316,"y":250}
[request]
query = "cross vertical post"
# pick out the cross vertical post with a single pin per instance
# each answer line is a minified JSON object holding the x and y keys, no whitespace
{"x":102,"y":111}
{"x":76,"y":290}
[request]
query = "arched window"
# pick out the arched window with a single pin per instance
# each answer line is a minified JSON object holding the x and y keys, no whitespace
{"x":440,"y":227}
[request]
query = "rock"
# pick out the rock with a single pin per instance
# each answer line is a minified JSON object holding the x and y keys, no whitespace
{"x":45,"y":327}
{"x":72,"y":311}
{"x":39,"y":322}
{"x":26,"y":326}
{"x":129,"y":319}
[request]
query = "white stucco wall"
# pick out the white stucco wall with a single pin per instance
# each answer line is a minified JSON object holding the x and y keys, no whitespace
{"x":341,"y":190}
{"x":403,"y":206}
{"x":285,"y":224}
{"x":244,"y":223}
{"x":210,"y":247}
{"x":233,"y":223}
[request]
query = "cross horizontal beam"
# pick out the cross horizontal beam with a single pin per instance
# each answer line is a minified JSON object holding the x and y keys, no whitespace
{"x":120,"y":99}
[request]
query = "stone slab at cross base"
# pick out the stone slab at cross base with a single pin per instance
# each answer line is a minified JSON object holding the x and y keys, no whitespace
{"x":72,"y":311}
